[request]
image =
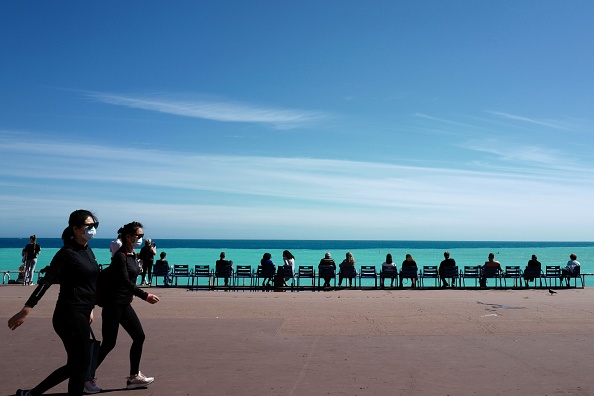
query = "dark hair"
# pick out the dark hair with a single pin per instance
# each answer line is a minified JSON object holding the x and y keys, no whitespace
{"x":76,"y":219}
{"x":267,"y":256}
{"x":33,"y":238}
{"x":162,"y":255}
{"x":288,"y":255}
{"x":129,"y":229}
{"x":446,"y":254}
{"x":389,"y":258}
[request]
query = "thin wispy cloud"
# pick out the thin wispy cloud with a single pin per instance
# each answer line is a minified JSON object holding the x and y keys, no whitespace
{"x":545,"y":123}
{"x":216,"y":110}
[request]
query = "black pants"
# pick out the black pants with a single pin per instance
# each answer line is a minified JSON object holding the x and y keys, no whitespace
{"x":72,"y":326}
{"x":113,"y":316}
{"x":147,"y":273}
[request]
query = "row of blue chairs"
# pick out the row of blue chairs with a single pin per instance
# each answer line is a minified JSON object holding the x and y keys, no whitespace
{"x":245,"y":276}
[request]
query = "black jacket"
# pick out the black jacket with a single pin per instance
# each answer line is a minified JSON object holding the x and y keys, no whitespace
{"x":75,"y":268}
{"x":121,"y":279}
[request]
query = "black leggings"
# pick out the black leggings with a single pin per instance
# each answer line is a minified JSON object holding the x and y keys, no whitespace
{"x":113,"y":316}
{"x":72,"y":325}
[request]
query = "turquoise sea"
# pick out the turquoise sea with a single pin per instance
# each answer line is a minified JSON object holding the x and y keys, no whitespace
{"x":309,"y":252}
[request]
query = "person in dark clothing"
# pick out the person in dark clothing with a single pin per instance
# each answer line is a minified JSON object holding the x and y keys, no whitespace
{"x":532,"y":270}
{"x":326,"y":263}
{"x":448,"y":262}
{"x":31,"y":251}
{"x":120,"y":288}
{"x":224,"y":267}
{"x":411,"y":265}
{"x":268,"y":269}
{"x":75,"y":268}
{"x":147,"y":256}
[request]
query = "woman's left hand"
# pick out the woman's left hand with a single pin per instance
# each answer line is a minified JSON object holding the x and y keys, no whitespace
{"x":152,"y":299}
{"x":91,"y":318}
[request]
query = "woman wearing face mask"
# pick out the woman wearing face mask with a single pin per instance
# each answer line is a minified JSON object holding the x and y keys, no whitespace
{"x":75,"y":268}
{"x":117,"y":299}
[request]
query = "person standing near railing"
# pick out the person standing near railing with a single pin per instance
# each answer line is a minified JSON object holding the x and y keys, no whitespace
{"x":30,"y":253}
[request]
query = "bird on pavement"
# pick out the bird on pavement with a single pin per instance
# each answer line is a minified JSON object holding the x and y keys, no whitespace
{"x":552,"y":292}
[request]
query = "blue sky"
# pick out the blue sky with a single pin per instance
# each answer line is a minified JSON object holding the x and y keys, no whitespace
{"x":415,"y":120}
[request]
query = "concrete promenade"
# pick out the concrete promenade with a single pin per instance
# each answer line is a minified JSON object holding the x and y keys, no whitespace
{"x":348,"y":342}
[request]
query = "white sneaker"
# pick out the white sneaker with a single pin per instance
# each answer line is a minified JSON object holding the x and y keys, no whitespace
{"x":138,"y":381}
{"x":91,"y":387}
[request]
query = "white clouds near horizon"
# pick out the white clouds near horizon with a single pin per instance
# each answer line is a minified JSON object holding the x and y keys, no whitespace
{"x":373,"y":200}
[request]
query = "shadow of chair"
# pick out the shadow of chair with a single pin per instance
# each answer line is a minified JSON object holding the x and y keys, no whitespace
{"x":429,"y":272}
{"x":368,"y":272}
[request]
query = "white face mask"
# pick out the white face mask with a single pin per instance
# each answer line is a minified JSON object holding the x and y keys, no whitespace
{"x":137,"y":243}
{"x":89,"y":233}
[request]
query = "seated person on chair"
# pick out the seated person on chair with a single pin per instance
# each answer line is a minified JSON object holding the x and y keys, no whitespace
{"x":532,"y":270}
{"x":448,"y":262}
{"x":409,"y":263}
{"x":490,"y":266}
{"x":162,"y":267}
{"x":325,"y":263}
{"x":347,"y":269}
{"x":268,"y":268}
{"x":570,"y":268}
{"x":224,"y":266}
{"x":387,"y":265}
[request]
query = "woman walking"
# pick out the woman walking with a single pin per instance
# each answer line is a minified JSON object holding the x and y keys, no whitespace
{"x":117,"y":288}
{"x":75,"y":268}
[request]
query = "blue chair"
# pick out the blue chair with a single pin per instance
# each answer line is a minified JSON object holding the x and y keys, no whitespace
{"x":181,"y":271}
{"x":409,"y":272}
{"x":491,"y":273}
{"x":532,"y":273}
{"x":326,"y":272}
{"x":391,"y":273}
{"x":552,"y":272}
{"x":202,"y":271}
{"x":575,"y":275}
{"x":244,"y":272}
{"x":471,"y":272}
{"x":368,"y":272}
{"x":429,"y":272}
{"x":452,"y":273}
{"x":306,"y":272}
{"x":513,"y":272}
{"x":225,"y":272}
{"x":349,"y":273}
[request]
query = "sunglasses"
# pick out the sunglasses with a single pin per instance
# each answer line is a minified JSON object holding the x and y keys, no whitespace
{"x":90,"y":225}
{"x":137,"y":236}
